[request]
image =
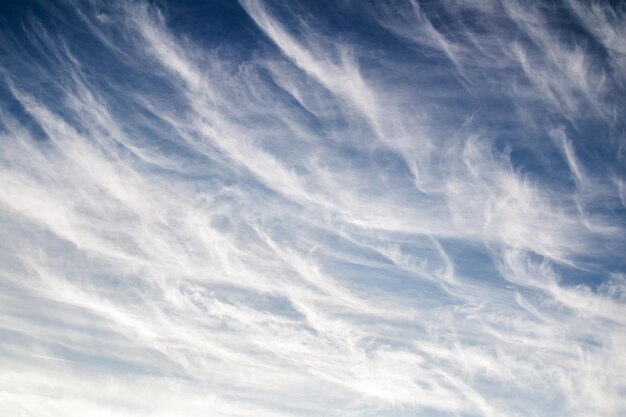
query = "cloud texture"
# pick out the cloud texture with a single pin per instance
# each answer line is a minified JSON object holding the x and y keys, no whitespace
{"x":348,"y":208}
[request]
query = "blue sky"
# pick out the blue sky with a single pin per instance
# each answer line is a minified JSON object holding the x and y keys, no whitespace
{"x":333,"y":208}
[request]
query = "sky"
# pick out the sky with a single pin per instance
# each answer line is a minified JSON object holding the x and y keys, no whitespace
{"x":342,"y":208}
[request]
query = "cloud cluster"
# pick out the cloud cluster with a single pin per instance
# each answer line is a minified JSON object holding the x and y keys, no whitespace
{"x":379,"y":209}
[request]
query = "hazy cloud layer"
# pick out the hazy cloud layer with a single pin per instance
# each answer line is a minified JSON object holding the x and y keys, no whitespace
{"x":350,"y":208}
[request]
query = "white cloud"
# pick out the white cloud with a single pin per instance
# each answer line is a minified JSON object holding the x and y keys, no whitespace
{"x":316,"y":228}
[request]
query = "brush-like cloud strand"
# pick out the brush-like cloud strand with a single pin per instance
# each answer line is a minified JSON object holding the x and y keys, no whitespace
{"x":283,"y":209}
